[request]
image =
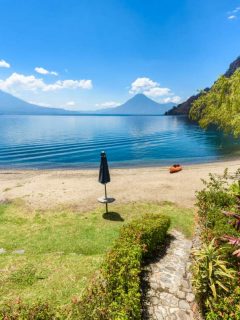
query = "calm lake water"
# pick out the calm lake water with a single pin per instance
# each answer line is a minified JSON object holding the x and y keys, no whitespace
{"x":76,"y":141}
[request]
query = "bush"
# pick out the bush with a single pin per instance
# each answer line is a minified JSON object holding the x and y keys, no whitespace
{"x":227,"y":308}
{"x":215,"y":271}
{"x":212,"y":278}
{"x":114,"y":293}
{"x":21,"y":311}
{"x":216,"y":194}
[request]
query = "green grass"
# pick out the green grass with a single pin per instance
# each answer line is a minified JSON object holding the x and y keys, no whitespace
{"x":64,"y":247}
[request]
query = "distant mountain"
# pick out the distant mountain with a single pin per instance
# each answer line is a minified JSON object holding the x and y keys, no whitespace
{"x":138,"y":105}
{"x":184,"y":108}
{"x":10,"y":105}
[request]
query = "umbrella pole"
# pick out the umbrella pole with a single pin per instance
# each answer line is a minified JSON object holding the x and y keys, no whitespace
{"x":106,"y":197}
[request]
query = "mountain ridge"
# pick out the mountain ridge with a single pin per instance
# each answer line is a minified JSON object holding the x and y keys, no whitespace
{"x":137,"y":105}
{"x":11,"y":105}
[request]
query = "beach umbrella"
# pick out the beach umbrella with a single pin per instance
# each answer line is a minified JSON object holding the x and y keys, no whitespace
{"x":104,"y":178}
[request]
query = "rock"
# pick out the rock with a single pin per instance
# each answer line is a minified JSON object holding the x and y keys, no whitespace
{"x":185,"y":284}
{"x":182,"y":315}
{"x":162,"y":310}
{"x":154,"y":286}
{"x":154,"y":301}
{"x":20,"y":251}
{"x":190,"y":297}
{"x":184,"y":305}
{"x":181,"y":294}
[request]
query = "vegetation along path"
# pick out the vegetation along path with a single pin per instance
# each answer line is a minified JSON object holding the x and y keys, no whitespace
{"x":169,"y":295}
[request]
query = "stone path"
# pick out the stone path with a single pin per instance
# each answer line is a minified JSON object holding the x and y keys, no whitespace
{"x":170,"y":296}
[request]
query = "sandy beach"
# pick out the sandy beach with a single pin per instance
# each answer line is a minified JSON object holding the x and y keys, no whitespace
{"x":80,"y":188}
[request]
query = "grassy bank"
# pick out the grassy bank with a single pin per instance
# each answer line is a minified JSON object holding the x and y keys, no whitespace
{"x":63,"y":248}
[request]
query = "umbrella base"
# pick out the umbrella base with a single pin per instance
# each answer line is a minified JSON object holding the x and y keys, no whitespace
{"x":105,"y":200}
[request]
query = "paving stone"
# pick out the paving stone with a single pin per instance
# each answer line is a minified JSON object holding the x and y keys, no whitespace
{"x":183,"y":304}
{"x":173,"y":310}
{"x":154,"y":286}
{"x":190,"y":297}
{"x":20,"y":251}
{"x":162,"y":310}
{"x":185,"y":284}
{"x":154,"y":301}
{"x":181,"y":294}
{"x":182,"y":315}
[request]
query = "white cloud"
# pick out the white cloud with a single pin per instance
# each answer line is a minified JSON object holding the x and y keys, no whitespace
{"x":153,"y":89}
{"x":68,"y":84}
{"x":142,"y":84}
{"x":173,"y":99}
{"x":18,"y":82}
{"x":70,"y":103}
{"x":232,"y":17}
{"x":4,"y":64}
{"x":107,"y":104}
{"x":45,"y":71}
{"x":236,"y":10}
{"x":148,"y":87}
{"x":157,"y":92}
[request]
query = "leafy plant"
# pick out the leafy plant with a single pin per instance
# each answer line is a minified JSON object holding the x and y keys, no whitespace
{"x":235,"y":188}
{"x":227,"y":308}
{"x":217,"y":267}
{"x":21,"y":311}
{"x":26,"y":276}
{"x":215,"y":194}
{"x":211,"y":274}
{"x":234,"y":241}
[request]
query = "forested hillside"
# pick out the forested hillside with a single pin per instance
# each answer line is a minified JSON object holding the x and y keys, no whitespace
{"x":220,"y":106}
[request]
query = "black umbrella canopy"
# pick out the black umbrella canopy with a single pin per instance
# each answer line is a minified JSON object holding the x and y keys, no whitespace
{"x":104,"y":176}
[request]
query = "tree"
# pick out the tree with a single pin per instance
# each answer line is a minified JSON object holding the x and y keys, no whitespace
{"x":220,"y":106}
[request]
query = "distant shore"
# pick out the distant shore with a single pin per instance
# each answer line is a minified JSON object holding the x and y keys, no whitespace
{"x":80,"y":188}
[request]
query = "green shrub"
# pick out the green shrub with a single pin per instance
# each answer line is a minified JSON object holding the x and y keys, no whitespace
{"x":227,"y":308}
{"x":215,"y":270}
{"x":212,"y":277}
{"x":21,"y":311}
{"x":115,"y":292}
{"x":216,"y":194}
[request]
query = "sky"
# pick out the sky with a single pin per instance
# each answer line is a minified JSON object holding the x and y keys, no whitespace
{"x":92,"y":54}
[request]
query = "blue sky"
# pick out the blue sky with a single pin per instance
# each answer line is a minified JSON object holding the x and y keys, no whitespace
{"x":89,"y":54}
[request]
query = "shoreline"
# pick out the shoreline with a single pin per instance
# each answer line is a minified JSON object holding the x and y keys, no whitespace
{"x":220,"y":162}
{"x":79,"y":188}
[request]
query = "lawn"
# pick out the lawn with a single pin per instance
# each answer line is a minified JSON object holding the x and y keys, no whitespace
{"x":63,"y":248}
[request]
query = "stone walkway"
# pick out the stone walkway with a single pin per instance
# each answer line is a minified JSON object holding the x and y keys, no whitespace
{"x":169,"y":295}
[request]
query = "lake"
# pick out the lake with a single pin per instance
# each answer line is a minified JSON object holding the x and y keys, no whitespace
{"x":76,"y":141}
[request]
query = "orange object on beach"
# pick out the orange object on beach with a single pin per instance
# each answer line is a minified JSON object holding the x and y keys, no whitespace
{"x":175,"y":168}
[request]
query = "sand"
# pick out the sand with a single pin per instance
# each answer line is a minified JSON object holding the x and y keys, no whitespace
{"x":44,"y":189}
